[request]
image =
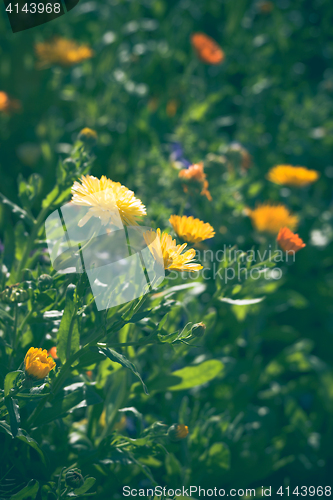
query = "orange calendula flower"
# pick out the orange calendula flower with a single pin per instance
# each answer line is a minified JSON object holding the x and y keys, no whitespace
{"x":53,"y":352}
{"x":7,"y":104}
{"x":265,"y":7}
{"x":172,"y":255}
{"x":289,"y":241}
{"x":62,"y":51}
{"x":4,"y":101}
{"x":190,"y":229}
{"x":171,"y":108}
{"x":195,"y":175}
{"x":288,"y":175}
{"x":37,"y":363}
{"x":207,"y":50}
{"x":270,"y":218}
{"x":107,"y":200}
{"x":152,"y":104}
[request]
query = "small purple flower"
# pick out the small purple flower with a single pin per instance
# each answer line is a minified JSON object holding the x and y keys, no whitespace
{"x":177,"y":155}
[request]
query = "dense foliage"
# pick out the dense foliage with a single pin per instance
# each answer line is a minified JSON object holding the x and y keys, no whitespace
{"x":256,"y":388}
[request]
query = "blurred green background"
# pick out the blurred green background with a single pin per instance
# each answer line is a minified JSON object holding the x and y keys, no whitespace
{"x":269,"y":419}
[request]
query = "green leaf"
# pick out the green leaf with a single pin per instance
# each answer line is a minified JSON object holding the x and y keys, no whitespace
{"x":14,"y":414}
{"x":28,"y":190}
{"x":68,"y":337}
{"x":88,"y":483}
{"x":241,"y":302}
{"x":23,"y":436}
{"x":29,"y":492}
{"x":217,"y":456}
{"x":5,"y":428}
{"x":198,"y":110}
{"x":75,"y":396}
{"x":119,"y":358}
{"x":89,"y":359}
{"x":10,"y":381}
{"x":49,"y":200}
{"x":17,"y":210}
{"x":20,"y":240}
{"x":139,"y":316}
{"x":188,"y":377}
{"x":5,"y":315}
{"x":198,"y":289}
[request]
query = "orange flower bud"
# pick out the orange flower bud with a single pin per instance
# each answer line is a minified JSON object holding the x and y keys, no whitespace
{"x":195,"y":175}
{"x":177,"y":432}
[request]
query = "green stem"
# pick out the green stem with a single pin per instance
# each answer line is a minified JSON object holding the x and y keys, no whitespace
{"x":57,"y":384}
{"x":15,"y":327}
{"x":33,"y":236}
{"x":66,"y":369}
{"x":182,"y":206}
{"x":22,"y":325}
{"x":70,"y":333}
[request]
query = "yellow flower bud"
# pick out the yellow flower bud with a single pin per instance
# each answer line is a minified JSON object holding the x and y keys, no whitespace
{"x":37,"y":363}
{"x":88,"y":136}
{"x":198,"y":329}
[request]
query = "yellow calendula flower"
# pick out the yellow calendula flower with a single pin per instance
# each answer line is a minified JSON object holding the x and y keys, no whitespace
{"x":270,"y":218}
{"x":190,"y":229}
{"x":62,"y":51}
{"x":107,"y":200}
{"x":173,"y":258}
{"x":287,"y":175}
{"x":37,"y":363}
